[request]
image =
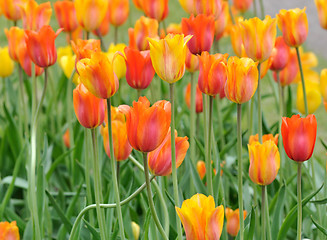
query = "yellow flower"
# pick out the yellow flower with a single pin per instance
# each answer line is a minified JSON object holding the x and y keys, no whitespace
{"x":7,"y":64}
{"x":66,"y":61}
{"x":136,"y":230}
{"x":323,"y":85}
{"x":117,"y":60}
{"x":312,"y":89}
{"x":322,"y":12}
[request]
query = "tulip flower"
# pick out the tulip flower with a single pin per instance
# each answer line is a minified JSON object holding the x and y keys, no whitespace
{"x":242,"y":5}
{"x":138,"y":4}
{"x":258,"y":37}
{"x":147,"y":126}
{"x":173,"y":28}
{"x":75,"y":36}
{"x":66,"y":15}
{"x":136,"y":230}
{"x":198,"y":98}
{"x":66,"y":61}
{"x":221,"y":21}
{"x":242,"y":79}
{"x":9,"y":231}
{"x":35,"y":16}
{"x":313,"y":93}
{"x":90,"y":13}
{"x":210,"y":220}
{"x":233,"y":221}
{"x":322,"y":12}
{"x":89,"y":110}
{"x":191,"y":62}
{"x":157,"y":9}
{"x":266,"y":137}
{"x":117,"y":60}
{"x":207,"y":7}
{"x":201,"y":168}
{"x":236,"y":38}
{"x":139,"y":70}
{"x":294,"y":25}
{"x":7,"y":64}
{"x":119,"y":11}
{"x":66,"y":139}
{"x":85,"y":48}
{"x":11,"y":9}
{"x":168,"y":56}
{"x":280,"y":55}
{"x":264,"y":67}
{"x":288,"y":75}
{"x":104,"y":27}
{"x":202,"y":28}
{"x":97,"y":74}
{"x":323,"y":86}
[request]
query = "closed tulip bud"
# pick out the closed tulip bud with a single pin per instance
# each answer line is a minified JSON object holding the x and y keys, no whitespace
{"x":168,"y":56}
{"x":41,"y":46}
{"x":104,"y":27}
{"x":279,"y":55}
{"x":312,"y":89}
{"x":119,"y":11}
{"x":9,"y":231}
{"x":66,"y":15}
{"x":322,"y":12}
{"x":7,"y":64}
{"x":299,"y":136}
{"x":191,"y":62}
{"x":242,"y":79}
{"x":236,"y":38}
{"x":202,"y":28}
{"x":222,"y":20}
{"x":200,"y":218}
{"x":198,"y":98}
{"x":288,"y":75}
{"x":11,"y":9}
{"x":117,"y":60}
{"x":323,"y":86}
{"x":294,"y":25}
{"x":213,"y":73}
{"x":266,"y":137}
{"x":98,"y":76}
{"x":136,"y":230}
{"x":201,"y":168}
{"x":157,"y":9}
{"x":242,"y":5}
{"x":90,"y":13}
{"x":89,"y":110}
{"x":233,"y":221}
{"x":147,"y":126}
{"x":259,"y":37}
{"x":66,"y":139}
{"x":35,"y":16}
{"x":139,"y":70}
{"x":85,"y":48}
{"x":207,"y":7}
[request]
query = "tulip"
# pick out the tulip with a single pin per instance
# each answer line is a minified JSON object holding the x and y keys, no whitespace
{"x":138,"y":4}
{"x":139,"y":70}
{"x":11,"y":9}
{"x":66,"y":139}
{"x":288,"y":75}
{"x":35,"y":16}
{"x":136,"y":230}
{"x":76,"y":35}
{"x":322,"y":12}
{"x":66,"y":15}
{"x":117,"y":60}
{"x":313,"y":93}
{"x":258,"y":37}
{"x":280,"y":55}
{"x":294,"y":25}
{"x":191,"y":62}
{"x":242,"y":79}
{"x":266,"y":137}
{"x":236,"y":38}
{"x":198,"y":98}
{"x":89,"y":110}
{"x":264,"y":67}
{"x":9,"y":231}
{"x":174,"y":28}
{"x":85,"y":48}
{"x":207,"y":7}
{"x":233,"y":221}
{"x":66,"y":61}
{"x":119,"y":11}
{"x":90,"y":13}
{"x":157,"y":9}
{"x":147,"y":126}
{"x":202,"y":28}
{"x":104,"y":27}
{"x":168,"y":56}
{"x":242,"y":5}
{"x":7,"y":64}
{"x":200,"y":218}
{"x":201,"y":168}
{"x":323,"y":86}
{"x":221,"y":21}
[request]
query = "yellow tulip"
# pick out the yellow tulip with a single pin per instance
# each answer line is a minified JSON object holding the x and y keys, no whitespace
{"x":117,"y":60}
{"x":312,"y":89}
{"x":7,"y":64}
{"x":136,"y":230}
{"x":66,"y":61}
{"x":323,"y":86}
{"x":322,"y":12}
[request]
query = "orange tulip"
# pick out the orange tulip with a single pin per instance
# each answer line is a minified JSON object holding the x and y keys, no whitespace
{"x":35,"y":16}
{"x":138,"y":4}
{"x":198,"y":98}
{"x":236,"y":38}
{"x":290,"y":71}
{"x":41,"y":46}
{"x":25,"y":61}
{"x":9,"y":231}
{"x":159,"y":160}
{"x":264,"y":67}
{"x":266,"y":137}
{"x":207,"y":7}
{"x":200,"y":218}
{"x":104,"y":27}
{"x":322,"y":12}
{"x":242,"y":79}
{"x":147,"y":126}
{"x":66,"y":139}
{"x":11,"y":9}
{"x":221,"y":21}
{"x":213,"y":73}
{"x":294,"y":25}
{"x":157,"y":9}
{"x":119,"y":11}
{"x":66,"y":15}
{"x":242,"y":5}
{"x":15,"y":37}
{"x":89,"y":110}
{"x":258,"y":37}
{"x":139,"y":70}
{"x":202,"y":28}
{"x":201,"y":168}
{"x":299,"y":136}
{"x":85,"y":48}
{"x":191,"y":61}
{"x":233,"y":221}
{"x":279,"y":55}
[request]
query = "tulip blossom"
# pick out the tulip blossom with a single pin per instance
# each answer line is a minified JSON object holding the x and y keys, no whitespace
{"x":119,"y":11}
{"x":174,"y":28}
{"x":85,"y":48}
{"x":264,"y":67}
{"x":207,"y":7}
{"x":66,"y":15}
{"x":89,"y":110}
{"x":313,"y":93}
{"x":288,"y":75}
{"x":242,"y":79}
{"x":9,"y":231}
{"x":198,"y":98}
{"x":159,"y":160}
{"x":117,"y":60}
{"x":294,"y":25}
{"x":266,"y":137}
{"x":138,"y":4}
{"x":322,"y":12}
{"x":168,"y":56}
{"x":200,"y":219}
{"x":136,"y":230}
{"x":104,"y":27}
{"x":299,"y":136}
{"x":202,"y":28}
{"x":236,"y":38}
{"x":41,"y":46}
{"x":76,"y":35}
{"x":323,"y":86}
{"x":157,"y":9}
{"x":147,"y":126}
{"x":233,"y":221}
{"x":242,"y":5}
{"x":66,"y":61}
{"x":279,"y":55}
{"x":15,"y":37}
{"x":191,"y":62}
{"x":201,"y":168}
{"x":221,"y":21}
{"x":11,"y":9}
{"x":7,"y":64}
{"x":66,"y":139}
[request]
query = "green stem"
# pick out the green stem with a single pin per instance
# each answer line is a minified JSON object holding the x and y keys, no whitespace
{"x":220,"y":123}
{"x":259,"y":104}
{"x":263,"y":203}
{"x":208,"y":150}
{"x":139,"y":93}
{"x":251,"y":117}
{"x":87,"y":35}
{"x":113,"y":170}
{"x":299,"y":202}
{"x":281,"y":113}
{"x":255,"y":7}
{"x":302,"y":80}
{"x":192,"y":121}
{"x":267,"y":216}
{"x":240,"y":171}
{"x":151,"y":204}
{"x":70,"y":123}
{"x":262,"y":9}
{"x":173,"y":158}
{"x":230,"y":12}
{"x":22,"y":97}
{"x":325,"y":193}
{"x":87,"y":173}
{"x":116,"y":35}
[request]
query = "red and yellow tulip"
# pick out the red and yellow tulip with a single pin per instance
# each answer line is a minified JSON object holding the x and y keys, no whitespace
{"x":221,"y":21}
{"x":198,"y":98}
{"x":191,"y":62}
{"x":85,"y":48}
{"x":118,"y":12}
{"x":280,"y":55}
{"x":242,"y":5}
{"x":66,"y":15}
{"x":288,"y":75}
{"x":207,"y":7}
{"x":266,"y":137}
{"x":11,"y":9}
{"x":157,"y":9}
{"x":322,"y":12}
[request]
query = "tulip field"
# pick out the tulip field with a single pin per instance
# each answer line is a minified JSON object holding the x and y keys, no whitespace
{"x":162,"y":119}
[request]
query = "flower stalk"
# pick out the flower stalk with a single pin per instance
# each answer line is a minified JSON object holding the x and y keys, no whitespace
{"x":240,"y":170}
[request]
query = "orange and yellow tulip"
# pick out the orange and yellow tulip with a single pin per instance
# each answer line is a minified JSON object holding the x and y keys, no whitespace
{"x":98,"y":76}
{"x":138,"y":4}
{"x":202,"y":28}
{"x":322,"y":12}
{"x":201,"y":168}
{"x":159,"y":160}
{"x":266,"y":137}
{"x":236,"y":38}
{"x":7,"y":64}
{"x":209,"y":220}
{"x":191,"y":62}
{"x":198,"y":98}
{"x":66,"y":139}
{"x":119,"y":11}
{"x":104,"y":27}
{"x":85,"y":48}
{"x":313,"y":93}
{"x":264,"y":67}
{"x":168,"y":56}
{"x":11,"y":9}
{"x":288,"y":75}
{"x":41,"y":46}
{"x":294,"y":25}
{"x":323,"y":86}
{"x":280,"y":55}
{"x":147,"y":126}
{"x":299,"y":136}
{"x":89,"y":110}
{"x":207,"y":7}
{"x":157,"y":9}
{"x":66,"y":15}
{"x":213,"y":73}
{"x":258,"y":37}
{"x":78,"y":34}
{"x":66,"y":61}
{"x":9,"y":231}
{"x":242,"y":79}
{"x":242,"y":5}
{"x":233,"y":221}
{"x":264,"y":162}
{"x":174,"y":28}
{"x":221,"y":21}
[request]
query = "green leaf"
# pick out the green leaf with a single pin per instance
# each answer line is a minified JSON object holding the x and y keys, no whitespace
{"x":321,"y":201}
{"x":278,"y":212}
{"x":146,"y":225}
{"x":170,"y":198}
{"x":250,"y":233}
{"x":92,"y":230}
{"x":200,"y":146}
{"x":289,"y":102}
{"x":200,"y":188}
{"x":321,"y":228}
{"x":323,"y":143}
